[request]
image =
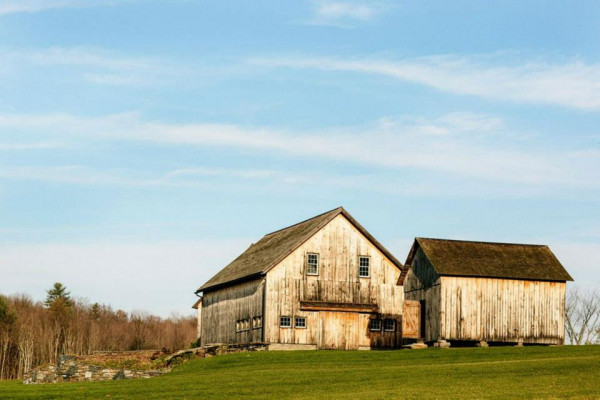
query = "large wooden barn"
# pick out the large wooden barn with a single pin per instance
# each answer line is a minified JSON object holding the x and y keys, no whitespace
{"x":322,"y":283}
{"x":488,"y":292}
{"x":327,"y":283}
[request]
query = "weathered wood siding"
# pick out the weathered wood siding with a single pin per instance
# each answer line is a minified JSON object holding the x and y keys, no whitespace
{"x":504,"y":310}
{"x":222,"y":308}
{"x":199,"y":326}
{"x":423,"y":284}
{"x":339,"y":245}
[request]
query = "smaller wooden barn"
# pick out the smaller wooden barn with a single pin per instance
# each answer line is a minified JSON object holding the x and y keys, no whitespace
{"x":489,"y":292}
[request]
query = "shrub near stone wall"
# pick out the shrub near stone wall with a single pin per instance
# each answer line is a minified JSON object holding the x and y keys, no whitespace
{"x":74,"y":369}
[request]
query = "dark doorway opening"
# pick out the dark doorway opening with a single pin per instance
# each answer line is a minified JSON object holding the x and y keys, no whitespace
{"x":422,"y":319}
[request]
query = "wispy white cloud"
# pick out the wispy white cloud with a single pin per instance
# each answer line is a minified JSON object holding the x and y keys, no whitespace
{"x":30,"y":146}
{"x":82,"y":56}
{"x":72,"y":174}
{"x":93,"y":65}
{"x":198,"y":177}
{"x":114,"y":80}
{"x":242,"y":173}
{"x":32,"y":6}
{"x":84,"y":175}
{"x":344,"y":13}
{"x":19,"y":6}
{"x":574,"y":84}
{"x":461,"y":145}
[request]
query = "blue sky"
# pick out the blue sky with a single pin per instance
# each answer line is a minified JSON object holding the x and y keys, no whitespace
{"x":144,"y":144}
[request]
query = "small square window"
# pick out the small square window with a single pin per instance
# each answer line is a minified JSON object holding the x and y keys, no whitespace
{"x":300,"y":322}
{"x":312,"y":264}
{"x":257,"y":322}
{"x":389,"y":325}
{"x":242,"y":325}
{"x":364,"y":267}
{"x":375,"y":325}
{"x":285,"y":322}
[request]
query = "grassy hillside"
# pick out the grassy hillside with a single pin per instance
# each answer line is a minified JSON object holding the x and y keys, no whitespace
{"x":508,"y":372}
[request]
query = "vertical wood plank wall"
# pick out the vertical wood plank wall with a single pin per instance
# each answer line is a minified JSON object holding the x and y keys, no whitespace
{"x":505,"y":310}
{"x":199,"y":326}
{"x":223,"y":307}
{"x":339,"y":244}
{"x":490,"y":309}
{"x":423,"y":283}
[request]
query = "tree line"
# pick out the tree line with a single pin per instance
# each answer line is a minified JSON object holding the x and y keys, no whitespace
{"x":34,"y":333}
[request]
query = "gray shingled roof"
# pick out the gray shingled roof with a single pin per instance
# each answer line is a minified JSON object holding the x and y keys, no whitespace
{"x":274,"y":247}
{"x":485,"y":259}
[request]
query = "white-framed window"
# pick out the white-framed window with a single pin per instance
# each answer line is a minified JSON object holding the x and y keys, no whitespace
{"x":364,"y":267}
{"x":242,"y":325}
{"x":300,"y":322}
{"x":312,"y":264}
{"x":389,"y":325}
{"x":285,"y":322}
{"x":375,"y":325}
{"x":257,"y":322}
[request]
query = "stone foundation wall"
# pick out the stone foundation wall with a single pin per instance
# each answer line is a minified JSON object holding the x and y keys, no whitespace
{"x":72,"y":369}
{"x":88,"y":368}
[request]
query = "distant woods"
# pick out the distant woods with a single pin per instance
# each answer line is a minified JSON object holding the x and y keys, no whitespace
{"x":34,"y":333}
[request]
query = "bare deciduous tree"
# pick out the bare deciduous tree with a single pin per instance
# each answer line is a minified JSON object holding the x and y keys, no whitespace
{"x":582,"y":316}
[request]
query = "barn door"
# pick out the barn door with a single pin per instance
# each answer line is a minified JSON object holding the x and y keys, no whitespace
{"x":411,"y":319}
{"x":338,"y":330}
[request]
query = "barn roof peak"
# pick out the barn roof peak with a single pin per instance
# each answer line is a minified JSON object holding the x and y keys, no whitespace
{"x":269,"y":251}
{"x":335,"y":211}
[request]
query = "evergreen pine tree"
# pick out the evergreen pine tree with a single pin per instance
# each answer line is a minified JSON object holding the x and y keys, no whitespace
{"x":7,"y":316}
{"x":58,"y":292}
{"x":95,"y":311}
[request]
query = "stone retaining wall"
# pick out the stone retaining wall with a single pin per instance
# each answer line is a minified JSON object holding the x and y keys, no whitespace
{"x":71,"y":369}
{"x":82,"y":368}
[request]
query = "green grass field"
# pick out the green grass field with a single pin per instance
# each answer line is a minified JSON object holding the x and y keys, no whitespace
{"x":504,"y":372}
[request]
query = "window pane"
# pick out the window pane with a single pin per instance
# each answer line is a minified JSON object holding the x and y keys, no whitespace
{"x":300,"y":322}
{"x":285,"y":322}
{"x":312,"y":264}
{"x":389,"y":325}
{"x":364,"y":266}
{"x":375,"y":324}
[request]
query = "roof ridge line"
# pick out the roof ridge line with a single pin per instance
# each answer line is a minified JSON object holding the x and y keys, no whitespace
{"x":482,"y":242}
{"x":340,"y":208}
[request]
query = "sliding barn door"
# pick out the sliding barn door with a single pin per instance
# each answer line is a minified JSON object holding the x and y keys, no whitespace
{"x":339,"y":330}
